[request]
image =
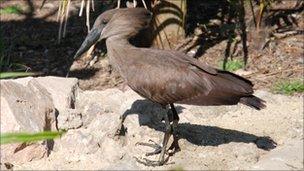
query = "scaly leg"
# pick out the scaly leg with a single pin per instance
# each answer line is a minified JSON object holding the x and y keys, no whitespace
{"x":162,"y":159}
{"x":121,"y":129}
{"x":174,"y":144}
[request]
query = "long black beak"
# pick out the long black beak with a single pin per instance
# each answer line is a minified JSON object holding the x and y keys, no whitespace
{"x":91,"y":39}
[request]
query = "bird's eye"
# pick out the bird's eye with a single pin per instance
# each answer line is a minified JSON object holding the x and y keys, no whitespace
{"x":104,"y":22}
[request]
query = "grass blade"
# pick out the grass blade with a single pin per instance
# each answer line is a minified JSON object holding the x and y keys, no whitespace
{"x":7,"y":138}
{"x":5,"y":75}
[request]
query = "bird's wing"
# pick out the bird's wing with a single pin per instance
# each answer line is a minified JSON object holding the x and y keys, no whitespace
{"x":184,"y":58}
{"x":167,"y":76}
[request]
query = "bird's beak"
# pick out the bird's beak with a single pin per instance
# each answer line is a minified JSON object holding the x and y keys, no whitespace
{"x":91,"y":39}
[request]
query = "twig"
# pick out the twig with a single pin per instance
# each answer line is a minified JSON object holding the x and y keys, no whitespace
{"x":93,"y":6}
{"x":144,"y":3}
{"x":287,"y":33}
{"x":118,"y":4}
{"x":66,"y":17}
{"x":183,"y":43}
{"x":191,"y":42}
{"x":59,"y":10}
{"x":81,"y":8}
{"x":282,"y":36}
{"x":88,"y":15}
{"x":166,"y":36}
{"x":273,"y":73}
{"x":61,"y":13}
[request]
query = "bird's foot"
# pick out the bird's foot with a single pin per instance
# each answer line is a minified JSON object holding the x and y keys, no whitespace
{"x":120,"y":131}
{"x":148,"y":162}
{"x":158,"y":148}
{"x":174,"y":148}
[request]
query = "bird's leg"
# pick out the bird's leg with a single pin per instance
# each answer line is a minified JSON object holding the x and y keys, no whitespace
{"x":174,"y":146}
{"x":165,"y":140}
{"x":121,"y":129}
{"x":159,"y":149}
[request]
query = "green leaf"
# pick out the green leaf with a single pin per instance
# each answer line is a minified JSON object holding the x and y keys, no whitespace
{"x":4,"y":75}
{"x":29,"y":137}
{"x":11,"y":10}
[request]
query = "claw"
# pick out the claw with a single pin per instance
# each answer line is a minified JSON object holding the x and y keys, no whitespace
{"x":120,"y":131}
{"x":152,"y":163}
{"x":154,"y":145}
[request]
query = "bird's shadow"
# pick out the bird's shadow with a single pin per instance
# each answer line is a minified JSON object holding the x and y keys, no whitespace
{"x":150,"y":114}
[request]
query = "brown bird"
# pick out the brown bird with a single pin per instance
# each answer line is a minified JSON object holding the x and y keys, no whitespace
{"x":164,"y":76}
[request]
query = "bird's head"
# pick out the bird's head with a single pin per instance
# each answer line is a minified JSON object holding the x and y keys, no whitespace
{"x":124,"y":21}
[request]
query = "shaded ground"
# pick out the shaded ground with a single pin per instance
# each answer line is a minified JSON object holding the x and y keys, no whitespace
{"x":30,"y":39}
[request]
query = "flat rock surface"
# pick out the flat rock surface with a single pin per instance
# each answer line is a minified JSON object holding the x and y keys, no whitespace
{"x":223,"y":137}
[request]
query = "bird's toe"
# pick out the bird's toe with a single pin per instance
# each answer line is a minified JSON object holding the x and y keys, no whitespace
{"x":152,"y":163}
{"x":157,"y":148}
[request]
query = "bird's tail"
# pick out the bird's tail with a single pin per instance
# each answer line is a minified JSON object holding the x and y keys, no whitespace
{"x":253,"y":101}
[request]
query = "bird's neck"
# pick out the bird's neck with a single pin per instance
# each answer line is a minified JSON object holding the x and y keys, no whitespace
{"x":118,"y":41}
{"x":120,"y":53}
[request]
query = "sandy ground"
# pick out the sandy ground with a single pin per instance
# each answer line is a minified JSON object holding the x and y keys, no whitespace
{"x":224,"y":137}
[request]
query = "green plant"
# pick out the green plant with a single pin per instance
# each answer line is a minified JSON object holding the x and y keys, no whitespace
{"x":14,"y":9}
{"x":7,"y":138}
{"x":289,"y":87}
{"x":5,"y":75}
{"x":232,"y":65}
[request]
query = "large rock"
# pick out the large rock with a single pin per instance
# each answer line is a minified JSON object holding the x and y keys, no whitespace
{"x":26,"y":106}
{"x":30,"y":105}
{"x":63,"y":91}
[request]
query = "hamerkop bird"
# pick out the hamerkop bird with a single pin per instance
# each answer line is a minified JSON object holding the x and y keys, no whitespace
{"x":164,"y":76}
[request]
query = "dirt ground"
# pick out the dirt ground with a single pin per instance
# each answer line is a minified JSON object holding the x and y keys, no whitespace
{"x":31,"y":40}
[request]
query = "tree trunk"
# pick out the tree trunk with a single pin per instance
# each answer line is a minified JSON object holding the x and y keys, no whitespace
{"x":169,"y":17}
